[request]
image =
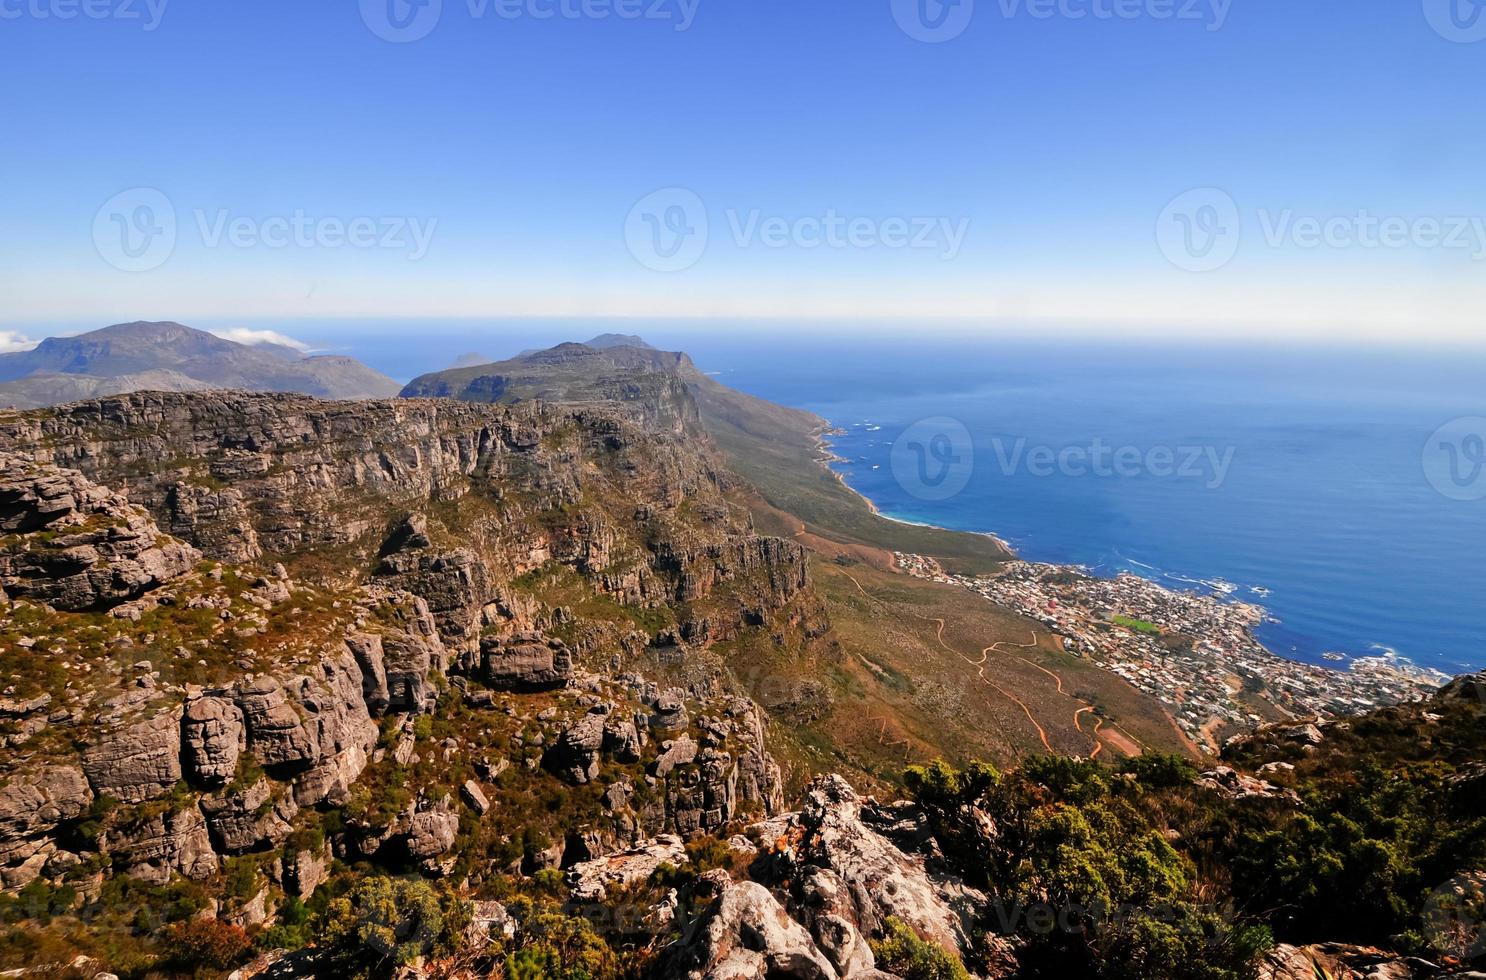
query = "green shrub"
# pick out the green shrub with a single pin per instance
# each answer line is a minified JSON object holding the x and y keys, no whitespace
{"x":394,"y":921}
{"x":902,"y":952}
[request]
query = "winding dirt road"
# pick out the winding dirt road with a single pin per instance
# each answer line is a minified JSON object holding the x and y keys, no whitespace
{"x":980,"y":666}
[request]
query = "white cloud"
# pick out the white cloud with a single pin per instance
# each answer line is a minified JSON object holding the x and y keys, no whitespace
{"x":246,"y":335}
{"x":12,"y":341}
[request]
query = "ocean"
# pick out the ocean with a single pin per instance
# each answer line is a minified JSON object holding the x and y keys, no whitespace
{"x":1343,"y":490}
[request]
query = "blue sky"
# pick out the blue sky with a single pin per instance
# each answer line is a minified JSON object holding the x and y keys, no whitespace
{"x":493,"y":165}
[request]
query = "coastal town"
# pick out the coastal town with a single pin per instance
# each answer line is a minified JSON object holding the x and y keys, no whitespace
{"x":1195,"y":653}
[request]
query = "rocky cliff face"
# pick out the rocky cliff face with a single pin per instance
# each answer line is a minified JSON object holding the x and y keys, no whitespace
{"x":448,"y":500}
{"x":178,"y":705}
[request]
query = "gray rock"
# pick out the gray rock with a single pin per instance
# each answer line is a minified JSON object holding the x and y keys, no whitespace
{"x":526,"y":662}
{"x":590,"y":881}
{"x":622,"y":741}
{"x":670,"y":713}
{"x":431,"y":833}
{"x":277,"y":733}
{"x":243,"y":821}
{"x":747,"y":935}
{"x":175,"y":842}
{"x":304,"y":871}
{"x":475,"y":797}
{"x":681,"y":752}
{"x":847,"y":865}
{"x":32,"y":805}
{"x":575,"y":756}
{"x":98,"y":550}
{"x":213,"y":737}
{"x":139,"y":762}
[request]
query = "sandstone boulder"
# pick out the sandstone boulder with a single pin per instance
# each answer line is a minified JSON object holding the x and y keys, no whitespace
{"x":591,"y":880}
{"x":75,"y":545}
{"x":213,"y":737}
{"x":747,"y":935}
{"x":138,"y":762}
{"x":575,"y":756}
{"x":526,"y":662}
{"x":175,"y":842}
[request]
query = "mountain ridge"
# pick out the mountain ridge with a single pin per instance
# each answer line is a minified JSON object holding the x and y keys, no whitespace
{"x":142,"y":355}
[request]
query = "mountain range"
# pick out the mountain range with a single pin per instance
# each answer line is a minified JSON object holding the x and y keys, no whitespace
{"x":166,"y":356}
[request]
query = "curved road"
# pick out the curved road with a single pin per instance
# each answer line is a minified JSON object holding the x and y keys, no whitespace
{"x":981,"y":664}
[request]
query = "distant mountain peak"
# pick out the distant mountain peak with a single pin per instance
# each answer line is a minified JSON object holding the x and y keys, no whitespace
{"x":165,"y":355}
{"x":606,"y":340}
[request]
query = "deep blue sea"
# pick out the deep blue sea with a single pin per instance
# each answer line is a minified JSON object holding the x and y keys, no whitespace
{"x":1314,"y":482}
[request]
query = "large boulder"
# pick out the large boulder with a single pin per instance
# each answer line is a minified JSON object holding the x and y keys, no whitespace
{"x":591,"y":880}
{"x":75,"y":545}
{"x":137,"y":762}
{"x":248,"y":819}
{"x":868,"y":877}
{"x":526,"y":662}
{"x":175,"y":842}
{"x":213,"y":737}
{"x":430,"y":834}
{"x":747,"y":935}
{"x":576,"y":755}
{"x":32,"y":805}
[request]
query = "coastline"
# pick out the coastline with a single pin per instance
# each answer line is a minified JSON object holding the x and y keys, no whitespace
{"x":826,"y":455}
{"x":1224,"y":649}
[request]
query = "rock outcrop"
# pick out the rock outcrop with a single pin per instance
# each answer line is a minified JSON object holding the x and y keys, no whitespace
{"x":1342,"y":962}
{"x":137,"y":762}
{"x":32,"y":806}
{"x":525,"y":662}
{"x":748,"y":934}
{"x":72,"y":544}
